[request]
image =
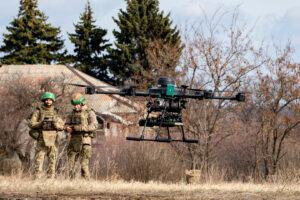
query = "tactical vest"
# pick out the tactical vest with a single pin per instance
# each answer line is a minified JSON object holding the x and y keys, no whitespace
{"x":80,"y":118}
{"x":47,"y":115}
{"x":49,"y":133}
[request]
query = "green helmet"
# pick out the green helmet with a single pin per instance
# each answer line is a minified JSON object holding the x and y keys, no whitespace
{"x":48,"y":95}
{"x":77,"y":98}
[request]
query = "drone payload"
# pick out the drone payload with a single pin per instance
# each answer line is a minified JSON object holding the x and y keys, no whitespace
{"x":169,"y":101}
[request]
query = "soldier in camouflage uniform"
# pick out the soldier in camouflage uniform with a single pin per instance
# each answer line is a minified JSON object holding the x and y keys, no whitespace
{"x":44,"y":124}
{"x":82,"y":124}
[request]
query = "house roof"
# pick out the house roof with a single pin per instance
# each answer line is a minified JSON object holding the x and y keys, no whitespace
{"x":99,"y":102}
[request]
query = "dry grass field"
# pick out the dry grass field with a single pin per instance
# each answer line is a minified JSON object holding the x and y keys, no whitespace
{"x":16,"y":187}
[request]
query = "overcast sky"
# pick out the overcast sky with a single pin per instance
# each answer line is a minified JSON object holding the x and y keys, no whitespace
{"x":277,"y":19}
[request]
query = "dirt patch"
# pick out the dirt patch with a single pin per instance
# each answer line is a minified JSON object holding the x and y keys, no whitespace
{"x":205,"y":195}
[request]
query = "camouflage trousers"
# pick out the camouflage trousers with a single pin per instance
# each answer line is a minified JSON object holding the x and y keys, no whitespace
{"x":77,"y":150}
{"x":51,"y":153}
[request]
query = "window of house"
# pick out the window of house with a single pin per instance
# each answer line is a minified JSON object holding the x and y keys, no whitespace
{"x":100,"y":123}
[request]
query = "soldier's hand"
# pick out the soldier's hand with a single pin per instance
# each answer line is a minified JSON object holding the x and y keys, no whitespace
{"x":69,"y":129}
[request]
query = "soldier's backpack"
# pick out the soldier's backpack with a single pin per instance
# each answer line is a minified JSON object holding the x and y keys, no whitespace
{"x":34,"y":133}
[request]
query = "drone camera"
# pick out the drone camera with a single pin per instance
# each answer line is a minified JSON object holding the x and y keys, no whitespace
{"x":171,"y":105}
{"x":169,"y":120}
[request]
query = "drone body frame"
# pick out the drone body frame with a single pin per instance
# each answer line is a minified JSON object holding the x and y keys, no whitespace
{"x":169,"y":100}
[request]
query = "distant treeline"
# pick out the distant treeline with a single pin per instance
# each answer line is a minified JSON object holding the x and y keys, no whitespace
{"x":31,"y":40}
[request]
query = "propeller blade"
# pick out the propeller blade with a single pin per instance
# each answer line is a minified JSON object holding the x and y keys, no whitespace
{"x":78,"y":85}
{"x":81,"y":85}
{"x":192,"y":89}
{"x":198,"y":90}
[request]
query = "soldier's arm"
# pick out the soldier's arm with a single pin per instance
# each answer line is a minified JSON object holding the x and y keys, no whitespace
{"x":68,"y":122}
{"x":59,"y":124}
{"x":34,"y":123}
{"x":93,"y":123}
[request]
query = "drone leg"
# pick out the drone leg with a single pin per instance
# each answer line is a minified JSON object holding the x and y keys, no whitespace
{"x":142,"y":136}
{"x":182,"y":131}
{"x":143,"y":132}
{"x":169,"y":136}
{"x":162,"y":118}
{"x":187,"y":140}
{"x":158,"y":131}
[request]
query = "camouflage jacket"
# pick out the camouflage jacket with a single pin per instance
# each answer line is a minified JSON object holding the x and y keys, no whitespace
{"x":42,"y":114}
{"x":83,"y":121}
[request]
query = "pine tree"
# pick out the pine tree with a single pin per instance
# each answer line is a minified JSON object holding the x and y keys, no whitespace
{"x":140,"y":24}
{"x":90,"y":46}
{"x":31,"y":40}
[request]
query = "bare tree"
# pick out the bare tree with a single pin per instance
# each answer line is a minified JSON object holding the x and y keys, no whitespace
{"x":220,"y":56}
{"x":163,"y":59}
{"x":277,"y":100}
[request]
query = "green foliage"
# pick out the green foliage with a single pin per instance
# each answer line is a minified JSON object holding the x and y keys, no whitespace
{"x":31,"y":40}
{"x":140,"y":24}
{"x":89,"y":46}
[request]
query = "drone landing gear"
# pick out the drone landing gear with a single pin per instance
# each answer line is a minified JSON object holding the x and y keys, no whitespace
{"x":159,"y":139}
{"x":150,"y":122}
{"x":167,"y":120}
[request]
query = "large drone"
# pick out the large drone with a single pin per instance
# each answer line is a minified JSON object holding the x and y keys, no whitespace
{"x":167,"y":100}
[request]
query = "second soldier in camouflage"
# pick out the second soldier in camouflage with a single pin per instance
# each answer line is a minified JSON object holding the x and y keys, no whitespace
{"x":82,"y":124}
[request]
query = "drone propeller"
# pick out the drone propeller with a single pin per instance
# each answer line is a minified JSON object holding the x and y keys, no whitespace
{"x":88,"y":86}
{"x":78,"y":85}
{"x":199,"y":90}
{"x":218,"y":91}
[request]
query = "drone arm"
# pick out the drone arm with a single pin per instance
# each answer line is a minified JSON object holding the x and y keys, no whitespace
{"x":222,"y":98}
{"x":238,"y":97}
{"x":129,"y":91}
{"x":190,"y":96}
{"x":110,"y":92}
